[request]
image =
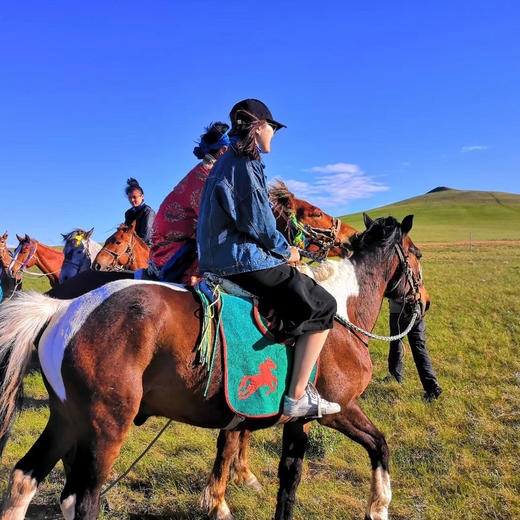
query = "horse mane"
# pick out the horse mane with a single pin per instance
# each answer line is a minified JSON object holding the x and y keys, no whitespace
{"x":73,"y":233}
{"x":279,"y":194}
{"x":125,"y":227}
{"x":383,"y":232}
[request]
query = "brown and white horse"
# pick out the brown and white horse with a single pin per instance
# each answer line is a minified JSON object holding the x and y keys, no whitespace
{"x":126,"y":352}
{"x":30,"y":252}
{"x":123,"y":251}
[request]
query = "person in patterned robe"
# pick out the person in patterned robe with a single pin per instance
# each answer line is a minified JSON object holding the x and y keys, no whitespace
{"x":173,"y":253}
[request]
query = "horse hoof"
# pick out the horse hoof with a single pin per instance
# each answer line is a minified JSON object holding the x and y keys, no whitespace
{"x":253,"y":483}
{"x":223,"y":513}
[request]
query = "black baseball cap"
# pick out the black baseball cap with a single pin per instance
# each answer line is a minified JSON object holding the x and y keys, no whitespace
{"x":241,"y":113}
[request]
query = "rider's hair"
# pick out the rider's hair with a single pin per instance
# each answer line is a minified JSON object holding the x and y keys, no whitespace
{"x":246,"y":133}
{"x":213,"y":134}
{"x":131,"y":185}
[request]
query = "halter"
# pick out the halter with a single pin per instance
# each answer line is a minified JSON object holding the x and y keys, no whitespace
{"x":413,"y":296}
{"x":128,"y":251}
{"x":14,"y":261}
{"x":302,"y":236}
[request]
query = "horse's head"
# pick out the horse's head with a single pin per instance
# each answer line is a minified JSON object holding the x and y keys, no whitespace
{"x":23,"y":256}
{"x":5,"y":255}
{"x":307,"y":226}
{"x":117,"y":253}
{"x":402,"y":256}
{"x":76,"y":253}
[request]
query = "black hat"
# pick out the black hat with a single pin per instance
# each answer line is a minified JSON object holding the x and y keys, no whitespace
{"x":241,"y":113}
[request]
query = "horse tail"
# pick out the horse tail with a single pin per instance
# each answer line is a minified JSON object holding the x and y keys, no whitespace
{"x":21,"y":322}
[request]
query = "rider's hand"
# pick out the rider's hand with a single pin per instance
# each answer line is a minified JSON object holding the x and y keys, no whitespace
{"x":295,"y":256}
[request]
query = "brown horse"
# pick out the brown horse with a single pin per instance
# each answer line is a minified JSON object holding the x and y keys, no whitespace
{"x":123,"y":251}
{"x":30,"y":252}
{"x":126,"y":352}
{"x":9,"y":285}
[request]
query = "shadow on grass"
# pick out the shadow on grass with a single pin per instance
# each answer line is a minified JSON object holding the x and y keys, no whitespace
{"x":43,"y":512}
{"x":30,"y":402}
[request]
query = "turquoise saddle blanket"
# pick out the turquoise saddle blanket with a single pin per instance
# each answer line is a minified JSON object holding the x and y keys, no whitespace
{"x":257,"y":370}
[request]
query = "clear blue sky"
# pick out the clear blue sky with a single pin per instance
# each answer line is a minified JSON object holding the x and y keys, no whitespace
{"x":382,"y":100}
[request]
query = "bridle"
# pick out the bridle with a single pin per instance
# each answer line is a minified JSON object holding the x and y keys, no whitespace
{"x":302,"y":235}
{"x":404,"y":272}
{"x":86,"y":250}
{"x":14,"y":261}
{"x":4,"y":252}
{"x":413,"y":297}
{"x":129,"y":250}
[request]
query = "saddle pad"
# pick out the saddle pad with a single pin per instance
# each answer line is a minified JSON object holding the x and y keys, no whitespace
{"x":257,"y":370}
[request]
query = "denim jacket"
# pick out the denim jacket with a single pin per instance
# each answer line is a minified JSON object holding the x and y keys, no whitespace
{"x":236,"y":230}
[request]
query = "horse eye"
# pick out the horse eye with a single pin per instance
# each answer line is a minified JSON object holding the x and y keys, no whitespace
{"x":118,"y":243}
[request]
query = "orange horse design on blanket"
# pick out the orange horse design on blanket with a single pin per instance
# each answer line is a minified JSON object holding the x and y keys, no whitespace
{"x":250,"y":384}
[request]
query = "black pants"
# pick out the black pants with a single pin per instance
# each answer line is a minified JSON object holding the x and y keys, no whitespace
{"x":398,"y":323}
{"x":301,"y":305}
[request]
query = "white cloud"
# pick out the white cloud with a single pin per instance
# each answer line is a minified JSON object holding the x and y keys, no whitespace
{"x":334,"y":185}
{"x":473,"y":148}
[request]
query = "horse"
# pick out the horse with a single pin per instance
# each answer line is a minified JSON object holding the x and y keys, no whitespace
{"x":129,"y":347}
{"x":124,"y":250}
{"x":30,"y":252}
{"x":79,"y":251}
{"x":9,"y":285}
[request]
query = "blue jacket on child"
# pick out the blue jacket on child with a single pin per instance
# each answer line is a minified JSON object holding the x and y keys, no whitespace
{"x":236,"y":230}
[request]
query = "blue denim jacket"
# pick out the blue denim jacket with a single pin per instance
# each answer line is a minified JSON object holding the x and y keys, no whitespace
{"x":236,"y":230}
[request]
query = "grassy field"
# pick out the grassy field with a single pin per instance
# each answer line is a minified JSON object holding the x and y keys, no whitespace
{"x":450,"y":216}
{"x":456,"y":458}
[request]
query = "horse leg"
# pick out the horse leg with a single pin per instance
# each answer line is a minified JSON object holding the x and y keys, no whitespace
{"x":240,"y":472}
{"x":353,"y":422}
{"x":294,"y":444}
{"x":213,"y":499}
{"x":34,"y":467}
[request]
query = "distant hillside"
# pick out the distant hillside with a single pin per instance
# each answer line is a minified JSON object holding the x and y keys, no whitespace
{"x":448,"y":215}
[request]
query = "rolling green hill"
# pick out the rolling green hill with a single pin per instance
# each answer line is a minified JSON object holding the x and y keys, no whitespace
{"x":448,"y":215}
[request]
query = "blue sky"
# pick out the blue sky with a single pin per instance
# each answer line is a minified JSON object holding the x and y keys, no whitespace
{"x":382,"y":100}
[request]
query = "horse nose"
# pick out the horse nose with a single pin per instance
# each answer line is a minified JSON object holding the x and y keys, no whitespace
{"x":427,"y":306}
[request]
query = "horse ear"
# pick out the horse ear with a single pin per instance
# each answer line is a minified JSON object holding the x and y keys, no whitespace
{"x":89,"y":233}
{"x":367,"y":220}
{"x":132,"y":227}
{"x":64,"y":236}
{"x":5,"y":236}
{"x":20,"y":239}
{"x":406,"y":224}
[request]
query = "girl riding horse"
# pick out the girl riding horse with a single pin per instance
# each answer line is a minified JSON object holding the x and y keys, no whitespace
{"x":237,"y":238}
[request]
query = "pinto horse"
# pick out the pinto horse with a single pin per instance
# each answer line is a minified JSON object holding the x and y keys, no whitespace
{"x":123,"y":251}
{"x":30,"y":252}
{"x":79,"y":251}
{"x":127,"y":352}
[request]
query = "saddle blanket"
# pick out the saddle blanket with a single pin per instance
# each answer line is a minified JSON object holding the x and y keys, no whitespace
{"x":256,"y":369}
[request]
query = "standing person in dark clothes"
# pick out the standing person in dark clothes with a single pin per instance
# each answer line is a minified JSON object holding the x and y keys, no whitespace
{"x":143,"y":214}
{"x":399,"y":320}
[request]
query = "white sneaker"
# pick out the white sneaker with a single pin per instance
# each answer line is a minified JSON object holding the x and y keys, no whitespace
{"x":311,"y":404}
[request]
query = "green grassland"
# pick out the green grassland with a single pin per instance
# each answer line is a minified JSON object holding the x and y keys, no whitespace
{"x":450,"y":216}
{"x":456,"y":458}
